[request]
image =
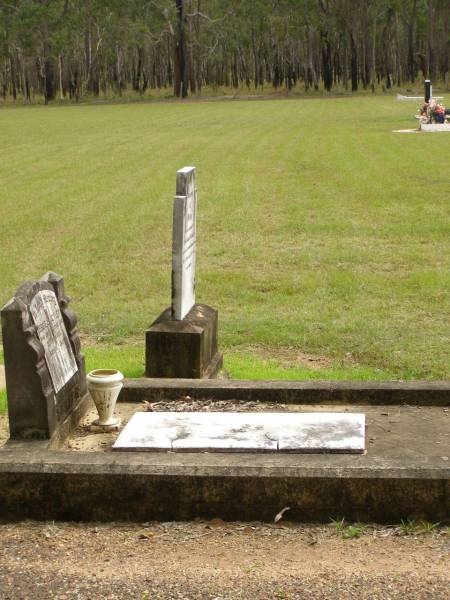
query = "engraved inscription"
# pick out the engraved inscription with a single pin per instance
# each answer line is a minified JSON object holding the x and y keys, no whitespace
{"x":53,"y":336}
{"x":184,"y":244}
{"x":189,"y":235}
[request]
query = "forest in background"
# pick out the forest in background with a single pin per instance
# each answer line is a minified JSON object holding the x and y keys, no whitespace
{"x":69,"y":49}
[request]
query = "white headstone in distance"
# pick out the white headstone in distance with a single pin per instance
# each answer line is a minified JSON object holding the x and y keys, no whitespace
{"x":183,"y":243}
{"x":53,"y":336}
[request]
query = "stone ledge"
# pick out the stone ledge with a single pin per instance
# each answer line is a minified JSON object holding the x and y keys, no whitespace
{"x":37,"y":460}
{"x":414,"y":393}
{"x":101,"y":486}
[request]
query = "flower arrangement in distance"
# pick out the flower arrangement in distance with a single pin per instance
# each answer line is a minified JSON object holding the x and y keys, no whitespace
{"x":433,"y":112}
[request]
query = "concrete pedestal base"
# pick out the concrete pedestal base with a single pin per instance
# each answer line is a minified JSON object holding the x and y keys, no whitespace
{"x":183,"y":349}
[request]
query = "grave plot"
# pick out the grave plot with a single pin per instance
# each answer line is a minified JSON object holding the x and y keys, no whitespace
{"x":433,"y":116}
{"x":404,"y":472}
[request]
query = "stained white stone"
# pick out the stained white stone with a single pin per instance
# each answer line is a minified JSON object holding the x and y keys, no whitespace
{"x":244,"y":432}
{"x":184,"y":243}
{"x":434,"y":127}
{"x":53,"y":336}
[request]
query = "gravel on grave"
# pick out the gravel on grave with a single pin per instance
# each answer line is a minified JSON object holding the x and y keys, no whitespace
{"x":186,"y":404}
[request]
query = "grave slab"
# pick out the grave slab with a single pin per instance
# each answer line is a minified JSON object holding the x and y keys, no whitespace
{"x":320,"y":432}
{"x":435,"y":127}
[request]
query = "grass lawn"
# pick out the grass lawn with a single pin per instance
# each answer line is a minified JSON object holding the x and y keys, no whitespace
{"x":323,"y":237}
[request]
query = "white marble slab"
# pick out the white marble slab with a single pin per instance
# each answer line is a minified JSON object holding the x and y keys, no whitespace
{"x":184,"y":243}
{"x":434,"y":127}
{"x":53,"y":336}
{"x":244,"y":432}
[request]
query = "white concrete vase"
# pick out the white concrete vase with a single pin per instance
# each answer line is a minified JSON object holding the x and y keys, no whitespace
{"x":104,"y":385}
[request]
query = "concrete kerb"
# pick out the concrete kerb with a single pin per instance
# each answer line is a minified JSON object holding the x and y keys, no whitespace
{"x":102,"y":486}
{"x":289,"y":392}
{"x":56,"y":484}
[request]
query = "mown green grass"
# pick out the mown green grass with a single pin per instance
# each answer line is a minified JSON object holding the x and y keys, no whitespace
{"x":318,"y":228}
{"x":237,"y":365}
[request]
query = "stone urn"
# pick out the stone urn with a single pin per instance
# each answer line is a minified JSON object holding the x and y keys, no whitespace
{"x":104,"y":386}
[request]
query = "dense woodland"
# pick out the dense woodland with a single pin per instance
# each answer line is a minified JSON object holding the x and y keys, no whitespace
{"x":56,"y":49}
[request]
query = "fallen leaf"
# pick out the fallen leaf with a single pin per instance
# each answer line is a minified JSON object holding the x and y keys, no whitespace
{"x":279,"y":516}
{"x":145,"y":535}
{"x":216,"y":523}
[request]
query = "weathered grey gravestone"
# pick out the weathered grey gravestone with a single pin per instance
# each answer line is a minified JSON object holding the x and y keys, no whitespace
{"x":182,"y":342}
{"x":44,"y":367}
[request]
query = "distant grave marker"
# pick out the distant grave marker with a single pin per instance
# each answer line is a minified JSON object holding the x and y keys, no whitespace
{"x":428,"y":90}
{"x":44,"y":368}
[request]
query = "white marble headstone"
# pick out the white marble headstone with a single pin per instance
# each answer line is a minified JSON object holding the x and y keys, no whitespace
{"x":184,"y":243}
{"x":53,"y":336}
{"x":244,"y":432}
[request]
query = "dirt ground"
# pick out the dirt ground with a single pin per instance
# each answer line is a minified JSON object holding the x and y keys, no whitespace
{"x":217,"y":560}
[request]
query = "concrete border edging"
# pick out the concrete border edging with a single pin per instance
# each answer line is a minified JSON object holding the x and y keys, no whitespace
{"x":302,"y":392}
{"x":102,"y":486}
{"x":45,"y":483}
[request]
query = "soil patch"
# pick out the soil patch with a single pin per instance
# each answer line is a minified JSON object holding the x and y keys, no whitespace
{"x":291,"y":357}
{"x":217,"y":560}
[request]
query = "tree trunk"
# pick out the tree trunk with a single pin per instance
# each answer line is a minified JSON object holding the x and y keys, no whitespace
{"x":354,"y":63}
{"x":326,"y":61}
{"x":180,"y":80}
{"x":373,"y":58}
{"x":60,"y":67}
